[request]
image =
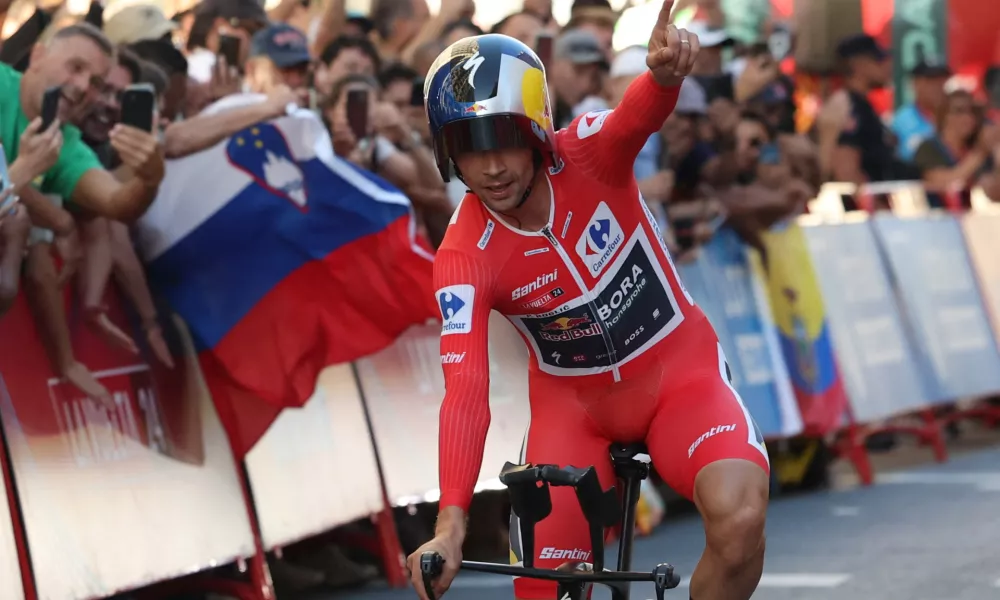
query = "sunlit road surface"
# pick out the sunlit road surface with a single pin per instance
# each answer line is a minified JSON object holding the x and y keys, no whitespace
{"x":929,"y":532}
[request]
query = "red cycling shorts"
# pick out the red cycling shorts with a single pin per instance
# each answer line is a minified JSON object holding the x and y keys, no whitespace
{"x":684,"y":408}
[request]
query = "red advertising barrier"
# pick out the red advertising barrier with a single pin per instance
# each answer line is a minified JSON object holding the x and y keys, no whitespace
{"x":114,"y":499}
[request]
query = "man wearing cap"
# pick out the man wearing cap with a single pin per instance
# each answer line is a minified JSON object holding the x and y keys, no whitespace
{"x":578,"y":65}
{"x":138,"y":22}
{"x":596,"y":17}
{"x":914,"y":122}
{"x":714,"y":40}
{"x":864,"y":149}
{"x":279,"y":55}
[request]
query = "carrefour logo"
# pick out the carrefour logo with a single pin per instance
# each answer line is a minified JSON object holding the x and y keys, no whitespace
{"x":455,"y":302}
{"x":600,"y":240}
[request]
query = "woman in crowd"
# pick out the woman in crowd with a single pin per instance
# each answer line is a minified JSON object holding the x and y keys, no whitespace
{"x":952,"y":162}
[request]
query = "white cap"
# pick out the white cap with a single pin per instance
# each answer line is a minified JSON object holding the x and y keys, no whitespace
{"x":692,"y":99}
{"x":710,"y":37}
{"x":630,"y":62}
{"x":138,"y":22}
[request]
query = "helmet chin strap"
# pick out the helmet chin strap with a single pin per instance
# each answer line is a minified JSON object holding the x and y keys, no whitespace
{"x":537,"y":161}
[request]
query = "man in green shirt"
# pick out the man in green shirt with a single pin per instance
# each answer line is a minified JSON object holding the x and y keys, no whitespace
{"x":77,"y":59}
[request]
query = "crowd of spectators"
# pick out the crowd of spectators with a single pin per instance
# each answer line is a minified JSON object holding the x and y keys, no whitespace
{"x":732,"y":152}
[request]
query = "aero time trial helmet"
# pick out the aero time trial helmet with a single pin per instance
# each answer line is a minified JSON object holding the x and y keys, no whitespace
{"x":488,"y":92}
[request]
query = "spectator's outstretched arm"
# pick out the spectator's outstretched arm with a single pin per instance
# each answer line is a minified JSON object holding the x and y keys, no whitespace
{"x":450,"y":11}
{"x":283,"y":11}
{"x":100,"y":192}
{"x":331,"y":24}
{"x":206,"y":130}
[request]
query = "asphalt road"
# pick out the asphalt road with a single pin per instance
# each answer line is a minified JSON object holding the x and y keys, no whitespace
{"x":930,"y":532}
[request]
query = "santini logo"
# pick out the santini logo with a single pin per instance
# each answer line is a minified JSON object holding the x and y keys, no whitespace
{"x":555,"y":553}
{"x":708,"y":434}
{"x":455,"y":302}
{"x":524,"y":290}
{"x":452,"y":358}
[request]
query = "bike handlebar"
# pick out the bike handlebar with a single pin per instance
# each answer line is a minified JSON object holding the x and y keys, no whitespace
{"x":662,"y":576}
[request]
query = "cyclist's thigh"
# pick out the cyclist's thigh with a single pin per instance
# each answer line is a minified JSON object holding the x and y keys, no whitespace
{"x":702,"y":421}
{"x":560,"y":433}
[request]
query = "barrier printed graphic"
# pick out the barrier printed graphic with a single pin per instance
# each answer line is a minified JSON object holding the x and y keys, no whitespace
{"x":720,"y":283}
{"x":873,"y":352}
{"x":803,"y":331}
{"x":983,"y":244}
{"x":116,"y":498}
{"x":938,"y":291}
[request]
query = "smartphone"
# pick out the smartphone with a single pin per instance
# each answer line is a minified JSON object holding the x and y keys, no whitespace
{"x":50,"y":106}
{"x":417,"y":93}
{"x":229,"y":48}
{"x":357,"y":112}
{"x":543,"y":47}
{"x":139,"y":106}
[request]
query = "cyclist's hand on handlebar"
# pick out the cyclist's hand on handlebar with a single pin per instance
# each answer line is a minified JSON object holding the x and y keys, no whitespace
{"x":450,"y":548}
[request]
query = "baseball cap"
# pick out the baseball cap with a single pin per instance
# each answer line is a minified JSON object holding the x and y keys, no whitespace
{"x":233,"y":9}
{"x":691,"y":100}
{"x":931,"y":67}
{"x":579,"y":47}
{"x":630,"y":62}
{"x":710,"y":37}
{"x":136,"y":23}
{"x":860,"y":45}
{"x":285,"y":45}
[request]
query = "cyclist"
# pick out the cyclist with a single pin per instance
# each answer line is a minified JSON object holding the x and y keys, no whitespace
{"x":555,"y":236}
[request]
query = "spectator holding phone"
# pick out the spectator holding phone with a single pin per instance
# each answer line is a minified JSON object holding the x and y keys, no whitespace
{"x":276,"y":79}
{"x":76,"y":61}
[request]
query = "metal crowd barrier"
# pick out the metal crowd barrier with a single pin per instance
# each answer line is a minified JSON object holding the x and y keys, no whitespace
{"x":852,"y":324}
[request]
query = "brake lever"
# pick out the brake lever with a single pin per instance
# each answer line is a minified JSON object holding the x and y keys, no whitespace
{"x":431,"y":567}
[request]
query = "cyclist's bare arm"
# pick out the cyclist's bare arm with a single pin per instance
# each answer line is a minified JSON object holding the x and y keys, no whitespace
{"x":606,"y":144}
{"x":465,"y":290}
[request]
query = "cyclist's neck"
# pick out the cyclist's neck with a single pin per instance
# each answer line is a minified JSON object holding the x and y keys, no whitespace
{"x":534,"y":214}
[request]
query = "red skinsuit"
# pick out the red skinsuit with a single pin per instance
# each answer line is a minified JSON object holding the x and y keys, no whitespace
{"x":619,"y":352}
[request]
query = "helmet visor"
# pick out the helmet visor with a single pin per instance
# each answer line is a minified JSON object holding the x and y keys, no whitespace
{"x":494,"y":132}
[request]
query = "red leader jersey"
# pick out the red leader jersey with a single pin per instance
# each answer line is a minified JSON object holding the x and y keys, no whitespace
{"x":594,"y":294}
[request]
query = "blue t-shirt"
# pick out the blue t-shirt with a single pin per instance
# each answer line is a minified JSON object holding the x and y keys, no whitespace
{"x":911,"y":128}
{"x":647,"y":163}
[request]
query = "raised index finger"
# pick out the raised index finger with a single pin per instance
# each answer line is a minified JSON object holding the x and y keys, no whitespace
{"x":664,"y":17}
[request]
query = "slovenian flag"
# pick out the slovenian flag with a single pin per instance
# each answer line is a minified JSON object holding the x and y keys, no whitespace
{"x":282,"y":259}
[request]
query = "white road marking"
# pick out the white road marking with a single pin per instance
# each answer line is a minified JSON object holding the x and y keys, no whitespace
{"x":845,"y":511}
{"x":996,"y":583}
{"x":987,"y":481}
{"x":768,"y":580}
{"x":795,"y":580}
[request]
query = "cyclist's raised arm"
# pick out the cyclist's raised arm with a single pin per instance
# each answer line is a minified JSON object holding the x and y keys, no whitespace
{"x":465,"y":291}
{"x":606,"y":143}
